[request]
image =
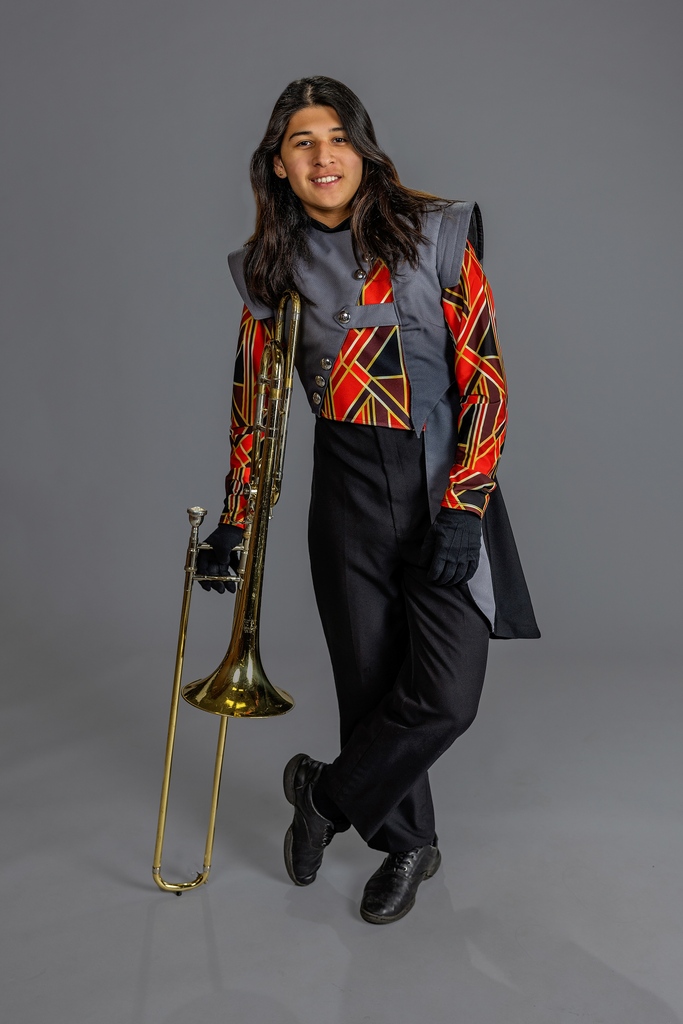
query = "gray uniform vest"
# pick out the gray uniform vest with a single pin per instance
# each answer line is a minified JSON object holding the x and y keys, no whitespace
{"x":333,"y":281}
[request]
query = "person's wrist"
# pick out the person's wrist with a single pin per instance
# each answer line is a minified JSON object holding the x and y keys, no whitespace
{"x":450,"y":516}
{"x":227,"y":519}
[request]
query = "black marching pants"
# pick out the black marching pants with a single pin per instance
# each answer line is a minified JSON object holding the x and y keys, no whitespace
{"x":408,"y":657}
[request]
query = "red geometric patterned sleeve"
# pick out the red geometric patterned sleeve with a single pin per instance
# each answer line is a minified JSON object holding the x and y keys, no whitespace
{"x":253,"y":336}
{"x":471,"y":319}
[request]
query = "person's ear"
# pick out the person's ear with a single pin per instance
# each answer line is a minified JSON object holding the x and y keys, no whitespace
{"x":279,"y":167}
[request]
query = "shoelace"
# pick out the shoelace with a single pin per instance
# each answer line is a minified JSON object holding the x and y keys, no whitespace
{"x":328,"y":832}
{"x":402,"y":861}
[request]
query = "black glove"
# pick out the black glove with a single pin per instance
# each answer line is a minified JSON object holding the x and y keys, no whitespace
{"x":221,"y":558}
{"x":451,"y":548}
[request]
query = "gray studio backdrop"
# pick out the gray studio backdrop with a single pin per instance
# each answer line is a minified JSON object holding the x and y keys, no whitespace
{"x":127,"y":132}
{"x":127,"y":143}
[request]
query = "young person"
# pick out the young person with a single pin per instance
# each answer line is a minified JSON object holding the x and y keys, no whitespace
{"x":400,"y":363}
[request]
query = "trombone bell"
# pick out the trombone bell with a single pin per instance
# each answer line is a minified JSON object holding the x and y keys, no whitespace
{"x":239,"y":688}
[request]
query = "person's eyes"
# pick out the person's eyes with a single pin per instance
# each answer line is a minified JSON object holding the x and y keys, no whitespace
{"x":305,"y":143}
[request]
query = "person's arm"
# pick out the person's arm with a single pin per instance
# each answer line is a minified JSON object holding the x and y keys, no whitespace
{"x":452,"y":546}
{"x":221,"y":558}
{"x":254,"y":334}
{"x":470,"y":315}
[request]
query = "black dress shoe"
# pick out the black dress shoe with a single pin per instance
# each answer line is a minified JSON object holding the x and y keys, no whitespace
{"x":310,"y":832}
{"x":390,"y":892}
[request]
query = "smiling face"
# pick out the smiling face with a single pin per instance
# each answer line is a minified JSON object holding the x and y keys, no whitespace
{"x":321,"y":165}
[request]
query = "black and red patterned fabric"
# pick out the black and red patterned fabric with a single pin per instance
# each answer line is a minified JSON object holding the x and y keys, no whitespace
{"x":369,"y":385}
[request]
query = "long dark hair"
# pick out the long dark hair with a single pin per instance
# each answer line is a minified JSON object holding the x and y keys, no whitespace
{"x":386,"y":217}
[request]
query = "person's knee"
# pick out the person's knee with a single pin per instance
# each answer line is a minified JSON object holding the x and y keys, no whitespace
{"x":458,"y":719}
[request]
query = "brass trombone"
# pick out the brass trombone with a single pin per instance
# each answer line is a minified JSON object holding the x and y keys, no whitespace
{"x":239,"y":688}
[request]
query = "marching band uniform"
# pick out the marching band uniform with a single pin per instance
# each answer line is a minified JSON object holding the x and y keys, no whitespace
{"x":405,"y":377}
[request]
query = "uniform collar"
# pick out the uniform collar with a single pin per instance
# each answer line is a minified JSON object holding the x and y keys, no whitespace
{"x":344,"y":226}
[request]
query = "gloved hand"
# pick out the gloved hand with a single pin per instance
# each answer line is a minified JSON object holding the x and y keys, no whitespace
{"x":221,"y":558}
{"x":451,"y":548}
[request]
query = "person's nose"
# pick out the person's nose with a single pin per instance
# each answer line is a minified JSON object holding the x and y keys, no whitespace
{"x":325,"y":155}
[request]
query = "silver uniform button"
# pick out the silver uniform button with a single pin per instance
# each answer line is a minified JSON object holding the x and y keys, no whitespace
{"x":344,"y":316}
{"x":317,"y":399}
{"x":326,"y":363}
{"x":320,"y":381}
{"x":359,"y":274}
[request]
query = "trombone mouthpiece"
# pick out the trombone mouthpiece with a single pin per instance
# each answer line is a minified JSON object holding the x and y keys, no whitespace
{"x":196,"y":514}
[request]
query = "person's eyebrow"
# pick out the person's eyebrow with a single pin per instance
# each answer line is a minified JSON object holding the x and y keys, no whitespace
{"x":294,"y":134}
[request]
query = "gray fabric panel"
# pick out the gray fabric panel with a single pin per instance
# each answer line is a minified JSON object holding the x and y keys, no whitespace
{"x":427,"y":344}
{"x":236,"y":264}
{"x":451,"y":242}
{"x":481,"y":587}
{"x":329,"y":284}
{"x":381,"y":314}
{"x":440,"y":441}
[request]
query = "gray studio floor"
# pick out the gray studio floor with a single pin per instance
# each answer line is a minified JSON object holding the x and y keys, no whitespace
{"x":559,"y":900}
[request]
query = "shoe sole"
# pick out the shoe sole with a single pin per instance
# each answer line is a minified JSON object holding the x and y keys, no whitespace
{"x":383,"y":919}
{"x":288,"y":786}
